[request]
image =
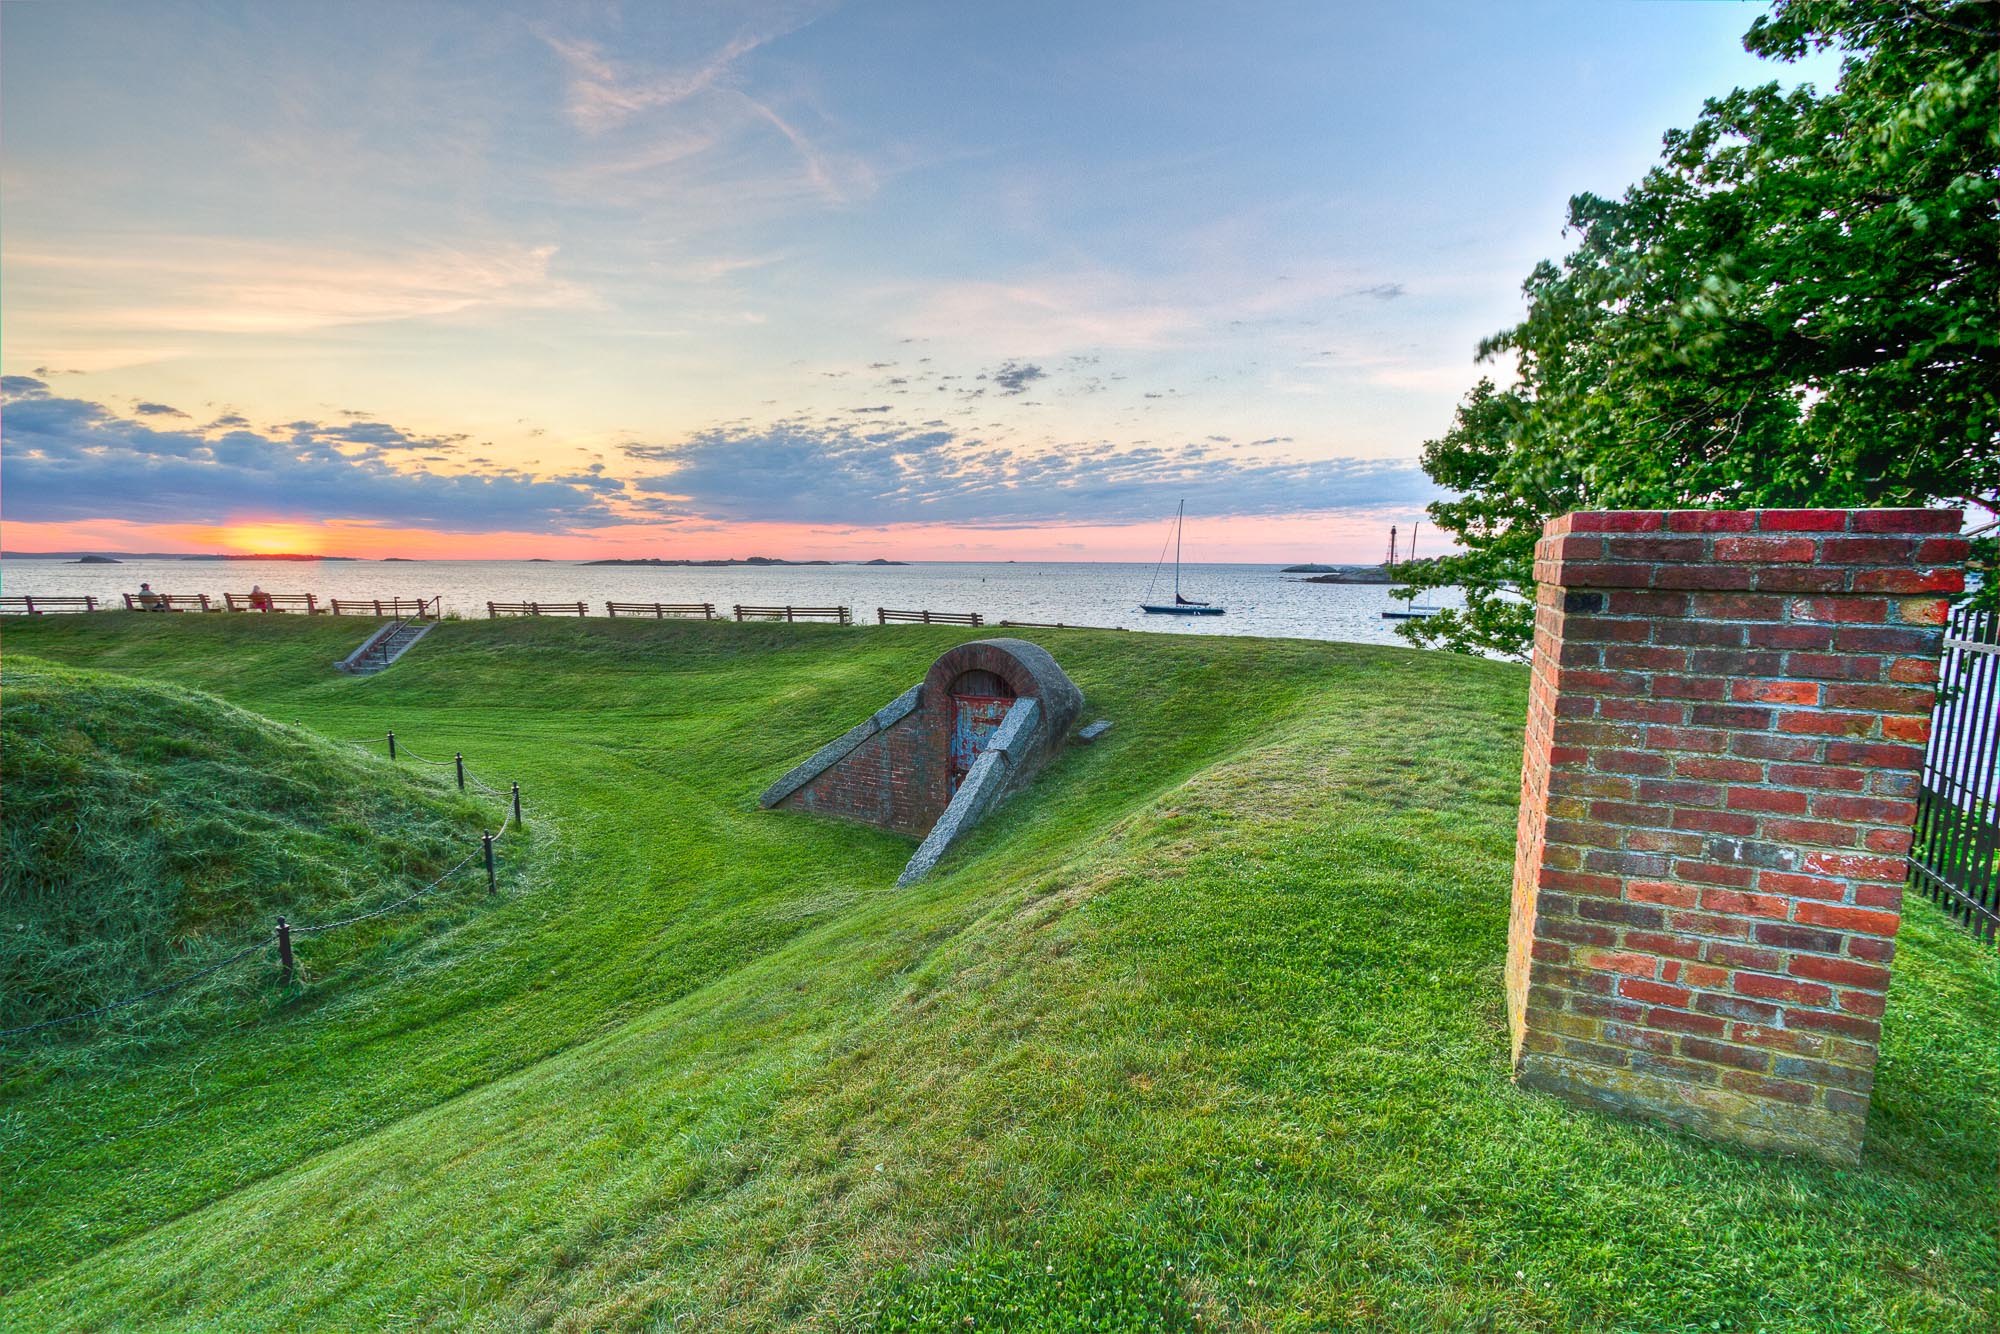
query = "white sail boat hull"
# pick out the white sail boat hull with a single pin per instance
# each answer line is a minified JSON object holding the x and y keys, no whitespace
{"x":1180,"y":606}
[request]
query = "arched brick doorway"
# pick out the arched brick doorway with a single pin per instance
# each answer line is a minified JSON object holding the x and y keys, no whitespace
{"x":979,"y":703}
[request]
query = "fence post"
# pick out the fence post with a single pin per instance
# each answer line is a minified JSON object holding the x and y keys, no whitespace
{"x":492,"y":883}
{"x":285,"y":949}
{"x":392,"y":745}
{"x":517,"y":805}
{"x":881,"y":616}
{"x":459,"y":760}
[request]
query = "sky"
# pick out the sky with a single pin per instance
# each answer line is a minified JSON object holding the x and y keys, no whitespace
{"x":802,"y":280}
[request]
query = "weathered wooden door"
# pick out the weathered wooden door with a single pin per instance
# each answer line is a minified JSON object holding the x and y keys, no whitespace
{"x":974,"y":720}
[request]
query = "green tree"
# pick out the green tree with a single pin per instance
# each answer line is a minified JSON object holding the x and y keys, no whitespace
{"x":1796,"y":307}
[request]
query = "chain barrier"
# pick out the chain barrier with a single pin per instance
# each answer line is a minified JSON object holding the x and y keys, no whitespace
{"x":508,"y":819}
{"x":160,"y":990}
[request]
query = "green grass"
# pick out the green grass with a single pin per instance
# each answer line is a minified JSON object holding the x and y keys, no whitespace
{"x":1204,"y":1031}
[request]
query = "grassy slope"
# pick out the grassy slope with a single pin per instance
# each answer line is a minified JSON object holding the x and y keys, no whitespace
{"x":150,"y":830}
{"x":1225,"y":992}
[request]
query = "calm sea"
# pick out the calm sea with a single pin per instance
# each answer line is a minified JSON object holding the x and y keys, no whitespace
{"x":1261,"y":600}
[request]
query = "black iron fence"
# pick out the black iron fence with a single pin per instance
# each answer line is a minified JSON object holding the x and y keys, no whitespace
{"x":1958,"y":805}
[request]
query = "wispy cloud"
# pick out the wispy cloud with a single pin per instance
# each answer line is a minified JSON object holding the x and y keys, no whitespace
{"x":816,"y":472}
{"x":68,"y":459}
{"x":193,"y":285}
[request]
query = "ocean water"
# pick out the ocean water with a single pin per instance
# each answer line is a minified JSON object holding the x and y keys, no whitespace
{"x":1260,"y":599}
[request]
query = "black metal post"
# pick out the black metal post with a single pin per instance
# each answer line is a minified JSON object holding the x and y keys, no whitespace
{"x":517,"y":805}
{"x":392,"y":745}
{"x":492,"y":882}
{"x":285,"y":949}
{"x":459,"y":760}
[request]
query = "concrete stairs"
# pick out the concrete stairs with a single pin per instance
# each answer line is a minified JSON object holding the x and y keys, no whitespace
{"x":386,"y":645}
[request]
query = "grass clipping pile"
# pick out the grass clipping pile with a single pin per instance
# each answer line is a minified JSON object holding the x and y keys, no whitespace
{"x":149,"y":831}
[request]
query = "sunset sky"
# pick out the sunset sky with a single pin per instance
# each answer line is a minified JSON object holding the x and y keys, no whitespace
{"x":920,"y":280}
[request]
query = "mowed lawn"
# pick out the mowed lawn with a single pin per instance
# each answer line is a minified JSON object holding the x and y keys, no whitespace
{"x":1204,"y":1031}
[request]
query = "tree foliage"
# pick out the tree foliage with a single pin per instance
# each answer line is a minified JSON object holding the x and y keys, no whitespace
{"x":1796,"y":307}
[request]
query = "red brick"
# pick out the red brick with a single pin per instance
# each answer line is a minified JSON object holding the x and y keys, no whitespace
{"x":1722,"y":770}
{"x":1774,"y":800}
{"x":1859,"y":866}
{"x":1766,"y":550}
{"x":1909,"y":581}
{"x":1907,"y":521}
{"x":1618,"y":521}
{"x":1745,"y":905}
{"x":1775,"y":692}
{"x":1844,"y":610}
{"x":1654,"y":993}
{"x":1614,"y":961}
{"x":1847,"y":919}
{"x":1801,"y":886}
{"x":1663,"y":892}
{"x":1865,"y":810}
{"x":1781,"y":1090}
{"x":1802,"y":521}
{"x":1916,"y":731}
{"x":1844,"y":972}
{"x":1763,"y":987}
{"x":1817,"y":723}
{"x":1711,"y":521}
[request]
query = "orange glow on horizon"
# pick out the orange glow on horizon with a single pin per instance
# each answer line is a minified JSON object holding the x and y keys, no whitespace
{"x":1282,"y":539}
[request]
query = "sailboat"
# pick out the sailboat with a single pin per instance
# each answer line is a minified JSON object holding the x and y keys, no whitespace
{"x":1411,"y":611}
{"x":1180,"y":606}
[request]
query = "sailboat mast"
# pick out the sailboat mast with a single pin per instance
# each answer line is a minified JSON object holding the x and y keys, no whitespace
{"x":1180,"y":522}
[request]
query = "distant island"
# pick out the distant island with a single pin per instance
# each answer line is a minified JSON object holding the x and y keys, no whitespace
{"x":97,"y":560}
{"x":746,"y":560}
{"x":1309,"y":569}
{"x":1352,"y":574}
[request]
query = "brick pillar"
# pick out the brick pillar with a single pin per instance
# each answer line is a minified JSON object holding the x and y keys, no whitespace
{"x":1724,"y":733}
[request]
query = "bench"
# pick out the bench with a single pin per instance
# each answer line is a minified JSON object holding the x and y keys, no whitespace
{"x":384,"y":606}
{"x":168,"y":602}
{"x":499,"y":609}
{"x":883,"y":616}
{"x":840,"y":614}
{"x":43,"y":606}
{"x":305,"y":602}
{"x":662,"y":610}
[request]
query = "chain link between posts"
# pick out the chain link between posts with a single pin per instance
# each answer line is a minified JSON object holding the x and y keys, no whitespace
{"x":509,"y":819}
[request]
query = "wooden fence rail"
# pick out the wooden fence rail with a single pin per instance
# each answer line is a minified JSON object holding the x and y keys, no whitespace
{"x":1058,"y":625}
{"x":841,"y":614}
{"x":384,"y":606}
{"x":43,"y":606}
{"x":499,"y":609}
{"x":885,"y":616}
{"x":662,"y":610}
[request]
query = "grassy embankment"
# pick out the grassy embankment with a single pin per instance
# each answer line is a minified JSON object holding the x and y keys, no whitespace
{"x":1221,"y":993}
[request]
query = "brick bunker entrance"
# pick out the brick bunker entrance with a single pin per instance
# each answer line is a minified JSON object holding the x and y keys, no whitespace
{"x":934,"y":760}
{"x":1725,"y":727}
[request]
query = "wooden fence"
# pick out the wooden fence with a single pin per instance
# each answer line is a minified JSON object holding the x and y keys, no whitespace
{"x":44,"y":606}
{"x":496,"y":610}
{"x":662,"y":610}
{"x":841,"y":614}
{"x":387,"y":606}
{"x":884,"y":616}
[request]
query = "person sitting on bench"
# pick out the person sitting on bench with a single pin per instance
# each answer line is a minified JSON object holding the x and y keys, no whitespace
{"x":259,"y":599}
{"x":149,"y":600}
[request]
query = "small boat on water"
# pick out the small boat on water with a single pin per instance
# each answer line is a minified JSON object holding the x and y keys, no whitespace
{"x":1180,"y":606}
{"x":1411,"y":611}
